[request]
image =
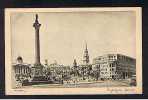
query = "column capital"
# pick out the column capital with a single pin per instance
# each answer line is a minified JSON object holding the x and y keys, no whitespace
{"x":36,"y":24}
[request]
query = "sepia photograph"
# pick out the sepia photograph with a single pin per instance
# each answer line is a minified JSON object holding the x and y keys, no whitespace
{"x":62,"y":51}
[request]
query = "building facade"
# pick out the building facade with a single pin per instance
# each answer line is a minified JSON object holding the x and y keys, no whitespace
{"x":115,"y":66}
{"x":21,"y":71}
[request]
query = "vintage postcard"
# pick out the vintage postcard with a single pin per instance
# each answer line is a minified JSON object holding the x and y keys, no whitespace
{"x":72,"y":51}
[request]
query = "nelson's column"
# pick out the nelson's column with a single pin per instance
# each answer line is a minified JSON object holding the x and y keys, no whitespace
{"x":37,"y":69}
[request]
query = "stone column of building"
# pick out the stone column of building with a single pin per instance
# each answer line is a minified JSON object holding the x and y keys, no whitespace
{"x":37,"y":25}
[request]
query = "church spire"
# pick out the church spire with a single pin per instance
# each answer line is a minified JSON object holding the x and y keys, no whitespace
{"x":86,"y":55}
{"x":85,"y":46}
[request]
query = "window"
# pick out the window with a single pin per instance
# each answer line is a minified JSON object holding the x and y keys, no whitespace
{"x":112,"y":69}
{"x":110,"y":65}
{"x":18,"y":69}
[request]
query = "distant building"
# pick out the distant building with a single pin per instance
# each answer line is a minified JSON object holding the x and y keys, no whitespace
{"x":75,"y":69}
{"x":21,"y":70}
{"x":75,"y":65}
{"x":115,"y":66}
{"x":86,"y":67}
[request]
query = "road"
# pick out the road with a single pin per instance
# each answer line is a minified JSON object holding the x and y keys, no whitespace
{"x":83,"y":85}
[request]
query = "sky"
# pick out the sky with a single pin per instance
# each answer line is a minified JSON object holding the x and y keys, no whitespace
{"x":63,"y":35}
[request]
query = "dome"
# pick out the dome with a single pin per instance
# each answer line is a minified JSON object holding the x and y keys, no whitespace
{"x":19,"y":58}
